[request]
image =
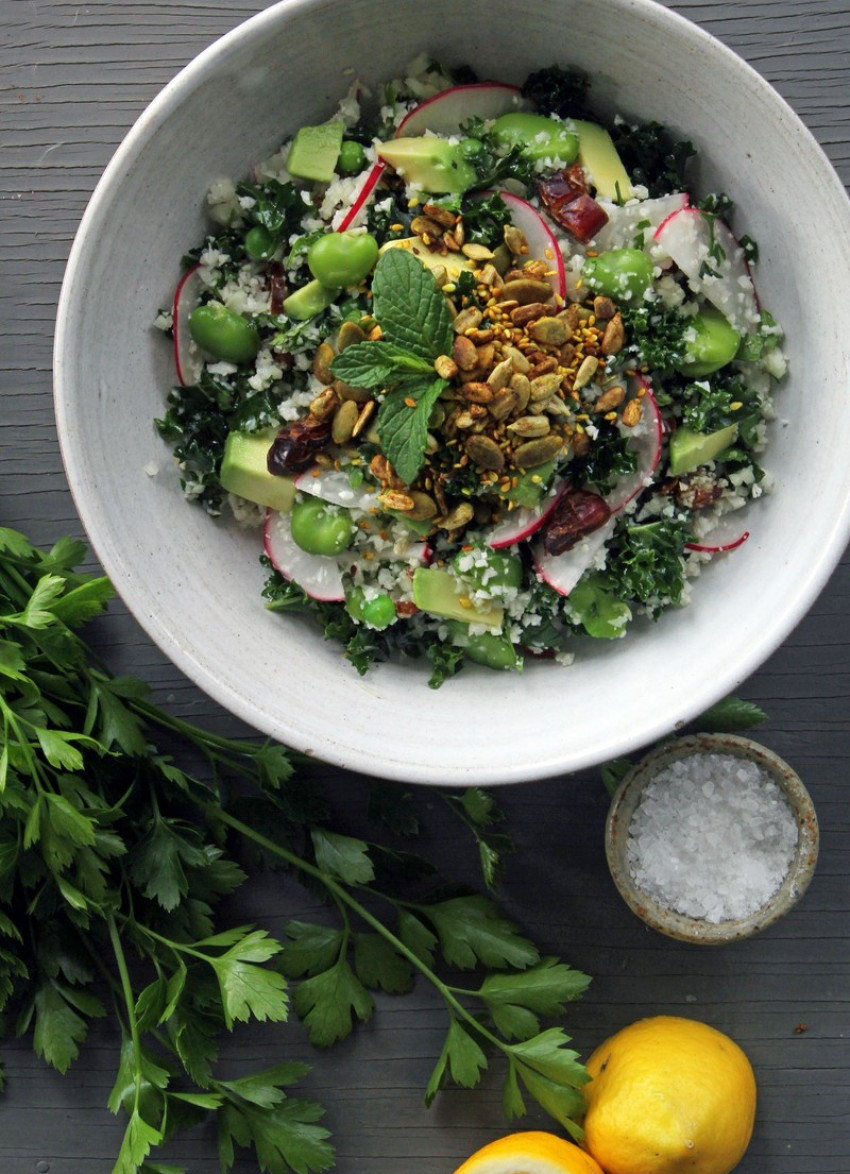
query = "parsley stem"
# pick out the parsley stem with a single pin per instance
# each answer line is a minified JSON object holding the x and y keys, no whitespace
{"x":130,"y":1003}
{"x":342,"y":896}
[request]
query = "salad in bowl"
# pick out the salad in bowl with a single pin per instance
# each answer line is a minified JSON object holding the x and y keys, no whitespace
{"x":486,"y":375}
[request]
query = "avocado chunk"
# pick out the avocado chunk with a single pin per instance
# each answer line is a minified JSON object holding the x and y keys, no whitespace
{"x":309,"y":300}
{"x":537,"y":136}
{"x":433,"y":164}
{"x":314,"y":152}
{"x":442,"y":594}
{"x":245,"y":472}
{"x":689,"y":449}
{"x":598,"y":155}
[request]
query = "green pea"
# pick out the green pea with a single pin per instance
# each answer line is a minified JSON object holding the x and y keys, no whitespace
{"x":223,"y":333}
{"x":469,"y":148}
{"x":260,"y":243}
{"x":342,"y":258}
{"x":622,"y":274}
{"x":537,"y":136}
{"x":352,"y":158}
{"x":710,"y":343}
{"x":492,"y":649}
{"x":488,"y":570}
{"x":321,"y":528}
{"x":599,"y":612}
{"x":378,"y":612}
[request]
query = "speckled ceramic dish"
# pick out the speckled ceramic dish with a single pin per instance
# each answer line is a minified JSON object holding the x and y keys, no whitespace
{"x":693,"y":929}
{"x":196,"y":587}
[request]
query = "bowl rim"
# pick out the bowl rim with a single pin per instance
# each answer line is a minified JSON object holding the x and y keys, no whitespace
{"x":680,"y":709}
{"x":691,"y":929}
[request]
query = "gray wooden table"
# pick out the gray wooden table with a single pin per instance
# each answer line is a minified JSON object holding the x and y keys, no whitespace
{"x":74,"y":78}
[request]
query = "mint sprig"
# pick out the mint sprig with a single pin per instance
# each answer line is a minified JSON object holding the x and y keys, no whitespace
{"x":416,"y":325}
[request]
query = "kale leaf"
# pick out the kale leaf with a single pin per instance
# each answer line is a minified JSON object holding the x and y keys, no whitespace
{"x":647,"y":563}
{"x":651,"y":157}
{"x":559,"y":91}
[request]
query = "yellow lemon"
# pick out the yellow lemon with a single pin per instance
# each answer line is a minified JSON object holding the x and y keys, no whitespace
{"x":530,"y":1153}
{"x":668,"y":1095}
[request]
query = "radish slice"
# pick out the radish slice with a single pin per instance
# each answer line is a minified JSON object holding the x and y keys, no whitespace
{"x":444,"y":113}
{"x":521,"y":523}
{"x":334,"y":485}
{"x":623,"y":219}
{"x":319,"y":575}
{"x":645,"y":440}
{"x":542,"y":244}
{"x":728,"y":533}
{"x":365,"y":194}
{"x":563,"y":571}
{"x":692,"y":240}
{"x":187,"y":355}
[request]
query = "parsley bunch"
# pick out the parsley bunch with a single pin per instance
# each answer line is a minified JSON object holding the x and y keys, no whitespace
{"x":114,"y":858}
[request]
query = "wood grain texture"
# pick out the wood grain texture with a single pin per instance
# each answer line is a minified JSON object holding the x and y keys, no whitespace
{"x":74,"y":78}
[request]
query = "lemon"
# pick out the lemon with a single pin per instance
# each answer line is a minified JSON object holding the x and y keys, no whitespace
{"x":667,"y":1095}
{"x":531,"y":1152}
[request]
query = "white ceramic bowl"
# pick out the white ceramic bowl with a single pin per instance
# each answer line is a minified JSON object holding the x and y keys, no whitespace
{"x":196,"y":586}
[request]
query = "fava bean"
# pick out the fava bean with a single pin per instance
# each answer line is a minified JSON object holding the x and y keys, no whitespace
{"x":536,"y":136}
{"x":487,"y":569}
{"x":260,"y":244}
{"x":710,"y":343}
{"x":342,"y":258}
{"x":492,"y":649}
{"x":223,"y":333}
{"x":352,"y":158}
{"x":321,"y":528}
{"x":622,"y":274}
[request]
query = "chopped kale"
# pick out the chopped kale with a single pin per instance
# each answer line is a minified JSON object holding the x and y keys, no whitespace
{"x":651,"y":157}
{"x":656,"y":336}
{"x":647,"y":564}
{"x":278,"y":207}
{"x":608,"y":458}
{"x":484,"y":220}
{"x":555,"y":90}
{"x":724,"y":398}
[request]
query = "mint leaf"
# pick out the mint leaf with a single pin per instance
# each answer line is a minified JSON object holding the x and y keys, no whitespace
{"x":403,"y":418}
{"x":409,"y":307}
{"x":378,"y":365}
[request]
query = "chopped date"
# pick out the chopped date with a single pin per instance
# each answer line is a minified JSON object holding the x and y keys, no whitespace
{"x":294,"y":448}
{"x":566,"y":199}
{"x":277,"y":286}
{"x":577,"y":513}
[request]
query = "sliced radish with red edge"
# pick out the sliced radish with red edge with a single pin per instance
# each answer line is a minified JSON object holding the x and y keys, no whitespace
{"x":334,"y":486}
{"x":711,"y":258}
{"x":625,"y":221}
{"x":645,"y":441}
{"x":367,"y":190}
{"x":542,"y":245}
{"x":320,"y":576}
{"x":187,"y":355}
{"x":728,"y":534}
{"x":445,"y":112}
{"x":563,"y":571}
{"x":521,"y":523}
